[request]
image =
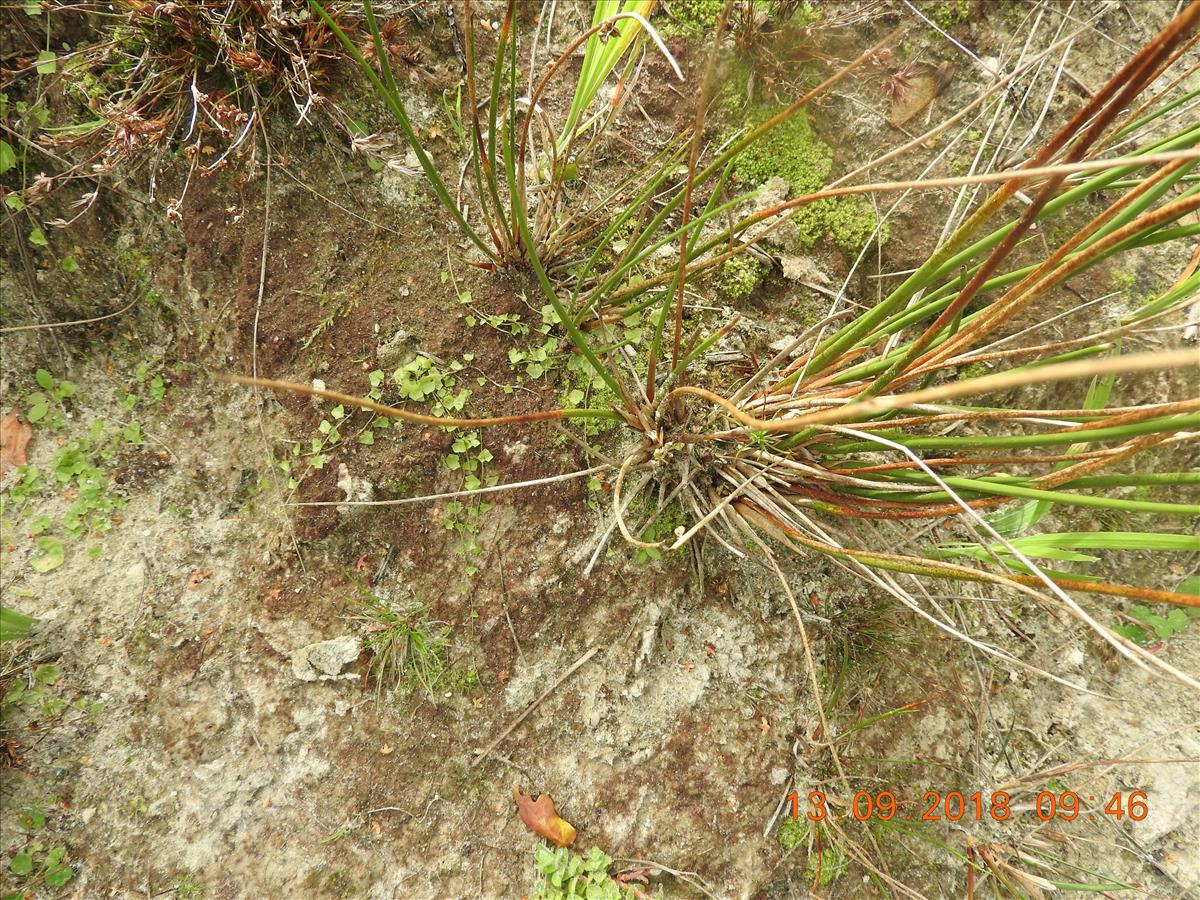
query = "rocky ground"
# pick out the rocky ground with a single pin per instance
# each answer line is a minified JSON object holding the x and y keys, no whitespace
{"x":193,"y":714}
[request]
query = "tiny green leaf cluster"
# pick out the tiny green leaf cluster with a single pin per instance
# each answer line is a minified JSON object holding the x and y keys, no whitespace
{"x":41,"y":694}
{"x":79,"y":469}
{"x":35,"y":861}
{"x":468,"y":455}
{"x":566,"y":875}
{"x":1151,"y":627}
{"x":536,"y":360}
{"x":463,"y":519}
{"x":421,"y":380}
{"x":46,"y":406}
{"x":662,"y":527}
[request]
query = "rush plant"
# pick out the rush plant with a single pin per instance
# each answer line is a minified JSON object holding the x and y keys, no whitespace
{"x":865,"y":428}
{"x":520,"y":162}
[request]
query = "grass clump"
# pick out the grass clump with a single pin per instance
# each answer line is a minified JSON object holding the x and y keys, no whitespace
{"x":409,"y":651}
{"x":798,"y":450}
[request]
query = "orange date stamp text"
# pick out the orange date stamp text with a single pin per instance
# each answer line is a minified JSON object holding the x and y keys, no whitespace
{"x":955,"y":806}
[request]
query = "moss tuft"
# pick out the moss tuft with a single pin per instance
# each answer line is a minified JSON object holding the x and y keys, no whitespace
{"x":790,"y":150}
{"x":793,"y":151}
{"x":850,"y":221}
{"x":739,"y":277}
{"x":792,"y":834}
{"x":694,"y":17}
{"x":806,"y":13}
{"x":1121,"y":280}
{"x":949,"y":13}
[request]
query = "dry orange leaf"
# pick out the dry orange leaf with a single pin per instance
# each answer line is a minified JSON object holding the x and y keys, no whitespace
{"x":14,"y":436}
{"x":539,"y":816}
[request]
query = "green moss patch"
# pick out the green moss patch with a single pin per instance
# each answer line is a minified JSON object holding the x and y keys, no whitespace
{"x":692,"y":17}
{"x":794,"y":152}
{"x":739,"y":277}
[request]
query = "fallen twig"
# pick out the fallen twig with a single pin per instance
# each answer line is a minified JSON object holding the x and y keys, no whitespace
{"x":532,"y":706}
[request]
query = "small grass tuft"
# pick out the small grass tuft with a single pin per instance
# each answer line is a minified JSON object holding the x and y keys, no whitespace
{"x":409,"y":651}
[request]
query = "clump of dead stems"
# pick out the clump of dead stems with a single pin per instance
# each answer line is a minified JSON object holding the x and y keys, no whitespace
{"x":196,"y":77}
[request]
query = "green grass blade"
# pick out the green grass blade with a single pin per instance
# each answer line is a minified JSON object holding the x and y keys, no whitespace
{"x":14,"y":626}
{"x":388,"y":90}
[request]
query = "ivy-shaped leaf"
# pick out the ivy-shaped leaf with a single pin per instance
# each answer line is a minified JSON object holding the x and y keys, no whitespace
{"x":49,"y":556}
{"x":21,"y":864}
{"x":8,"y":157}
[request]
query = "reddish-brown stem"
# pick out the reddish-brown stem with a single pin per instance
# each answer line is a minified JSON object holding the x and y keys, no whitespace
{"x":997,"y":314}
{"x":416,"y":418}
{"x":685,"y":212}
{"x":751,"y":511}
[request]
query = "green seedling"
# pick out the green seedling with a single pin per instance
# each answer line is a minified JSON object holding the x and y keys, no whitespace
{"x":1145,"y":627}
{"x":565,"y":875}
{"x":80,"y":469}
{"x":41,"y":693}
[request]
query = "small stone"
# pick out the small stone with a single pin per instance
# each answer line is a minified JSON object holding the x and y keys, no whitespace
{"x":398,"y":350}
{"x":324,"y":660}
{"x":516,"y":451}
{"x":782,"y":344}
{"x":990,"y":65}
{"x":802,"y":268}
{"x":1191,"y":331}
{"x":357,"y":490}
{"x":135,"y":578}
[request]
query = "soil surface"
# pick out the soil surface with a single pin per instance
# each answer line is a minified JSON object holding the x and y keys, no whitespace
{"x":189,"y":740}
